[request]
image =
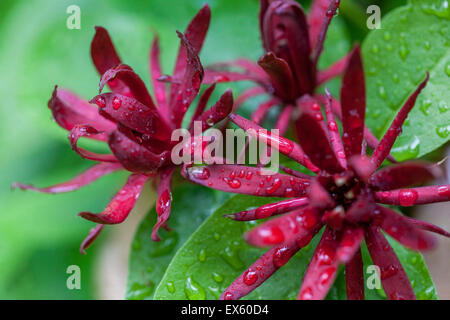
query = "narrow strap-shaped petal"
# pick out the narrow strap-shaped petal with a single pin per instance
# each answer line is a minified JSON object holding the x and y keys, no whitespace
{"x":133,"y":86}
{"x":386,"y":143}
{"x":248,"y":180}
{"x":284,"y":119}
{"x":133,"y":114}
{"x":393,"y":277}
{"x":195,"y":33}
{"x":362,"y":209}
{"x":261,"y":111}
{"x":248,"y":94}
{"x":413,"y":196}
{"x":373,"y":142}
{"x":353,"y":104}
{"x":190,"y":84}
{"x":316,"y":15}
{"x":270,"y":210}
{"x":332,"y":71}
{"x":291,"y":41}
{"x":263,"y":6}
{"x":285,"y":146}
{"x":350,"y":244}
{"x":121,"y":205}
{"x":314,"y":141}
{"x":319,"y":196}
{"x":93,"y":234}
{"x":202,"y":103}
{"x":354,"y":277}
{"x":164,"y":201}
{"x":295,"y":173}
{"x":103,"y":53}
{"x":301,"y":224}
{"x":90,"y":175}
{"x":429,"y":227}
{"x":217,"y":76}
{"x":322,"y":269}
{"x":219,"y":111}
{"x":261,"y":270}
{"x":369,"y":137}
{"x":333,"y":132}
{"x":405,"y":174}
{"x":133,"y":157}
{"x":402,"y":230}
{"x":281,"y":75}
{"x":248,"y":66}
{"x":79,"y":131}
{"x":70,"y":110}
{"x":159,"y":88}
{"x":318,"y":47}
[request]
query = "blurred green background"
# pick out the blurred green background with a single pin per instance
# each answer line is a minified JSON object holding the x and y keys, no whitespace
{"x":40,"y":234}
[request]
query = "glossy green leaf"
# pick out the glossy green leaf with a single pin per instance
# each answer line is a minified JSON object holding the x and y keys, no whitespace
{"x":413,"y":39}
{"x":191,"y":205}
{"x":216,"y":254}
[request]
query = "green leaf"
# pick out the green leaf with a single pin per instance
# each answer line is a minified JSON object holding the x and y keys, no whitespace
{"x":216,"y":254}
{"x":149,"y":259}
{"x":413,"y":39}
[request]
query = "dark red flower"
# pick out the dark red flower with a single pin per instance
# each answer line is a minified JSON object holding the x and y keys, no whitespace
{"x":344,"y":197}
{"x":293,"y":43}
{"x":137,"y":130}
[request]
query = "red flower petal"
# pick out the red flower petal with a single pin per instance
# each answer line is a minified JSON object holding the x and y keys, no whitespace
{"x":329,"y":14}
{"x":316,"y":15}
{"x":159,"y":88}
{"x":133,"y":114}
{"x":247,"y":94}
{"x":103,"y":53}
{"x":219,"y":111}
{"x":429,"y":227}
{"x":70,"y":110}
{"x":405,"y":232}
{"x":90,"y":175}
{"x":333,"y":132}
{"x":413,"y":196}
{"x":281,"y":75}
{"x":270,"y":210}
{"x":314,"y":141}
{"x":216,"y":76}
{"x":247,"y":180}
{"x":284,"y":119}
{"x":354,"y":277}
{"x":190,"y":83}
{"x":93,"y":234}
{"x":195,"y":33}
{"x":285,"y":33}
{"x":132,"y":84}
{"x":202,"y":103}
{"x":393,"y":277}
{"x":79,"y":131}
{"x":332,"y":71}
{"x":260,"y":271}
{"x":164,"y":201}
{"x":350,"y":244}
{"x":134,"y":157}
{"x":404,"y":174}
{"x":386,"y":143}
{"x":301,"y":224}
{"x":121,"y":205}
{"x":261,"y":111}
{"x":285,"y":146}
{"x":353,"y":104}
{"x":319,"y":276}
